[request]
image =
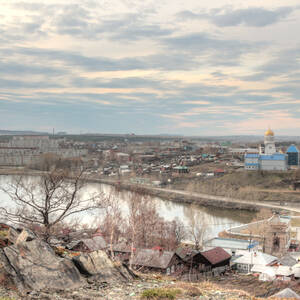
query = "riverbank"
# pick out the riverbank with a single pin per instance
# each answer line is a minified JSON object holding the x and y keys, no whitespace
{"x":178,"y":196}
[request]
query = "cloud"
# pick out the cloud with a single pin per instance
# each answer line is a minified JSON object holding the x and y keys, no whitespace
{"x":210,"y":49}
{"x":60,"y":58}
{"x":251,"y":16}
{"x":283,"y":64}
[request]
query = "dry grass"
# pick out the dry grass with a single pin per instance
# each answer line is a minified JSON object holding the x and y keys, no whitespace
{"x":295,"y":222}
{"x":255,"y":186}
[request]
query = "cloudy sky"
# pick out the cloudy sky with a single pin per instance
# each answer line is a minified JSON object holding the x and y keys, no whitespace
{"x":190,"y":67}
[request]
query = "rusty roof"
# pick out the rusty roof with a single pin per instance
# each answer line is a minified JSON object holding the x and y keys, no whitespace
{"x":216,"y":255}
{"x":153,"y":258}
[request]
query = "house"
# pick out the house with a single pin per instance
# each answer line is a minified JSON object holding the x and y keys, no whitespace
{"x":219,"y":172}
{"x":122,"y":252}
{"x":88,"y":245}
{"x":186,"y":252}
{"x":167,"y":262}
{"x":284,"y":273}
{"x":296,"y":270}
{"x":181,"y":169}
{"x":244,"y":261}
{"x":230,"y":245}
{"x":264,"y":273}
{"x":290,"y":259}
{"x":208,"y":260}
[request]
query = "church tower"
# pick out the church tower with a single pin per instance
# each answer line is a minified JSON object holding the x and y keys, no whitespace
{"x":269,"y":142}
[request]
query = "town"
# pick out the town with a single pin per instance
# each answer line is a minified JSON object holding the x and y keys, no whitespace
{"x":267,"y":247}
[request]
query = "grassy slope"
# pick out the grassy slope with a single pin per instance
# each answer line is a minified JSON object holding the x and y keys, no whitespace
{"x":266,"y":186}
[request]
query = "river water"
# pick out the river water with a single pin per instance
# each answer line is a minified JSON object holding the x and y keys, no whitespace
{"x":214,"y":219}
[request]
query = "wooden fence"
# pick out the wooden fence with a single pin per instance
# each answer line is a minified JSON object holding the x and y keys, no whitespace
{"x":202,"y":275}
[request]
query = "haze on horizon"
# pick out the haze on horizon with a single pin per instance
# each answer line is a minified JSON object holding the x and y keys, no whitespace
{"x":122,"y":66}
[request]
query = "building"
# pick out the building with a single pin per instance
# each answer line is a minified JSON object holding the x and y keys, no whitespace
{"x":268,"y":159}
{"x":244,"y":261}
{"x":166,"y":262}
{"x":29,"y":149}
{"x":205,"y":261}
{"x":231,"y":246}
{"x":277,"y":236}
{"x":293,"y":156}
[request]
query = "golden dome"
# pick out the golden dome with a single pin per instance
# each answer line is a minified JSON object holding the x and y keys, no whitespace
{"x":269,"y":132}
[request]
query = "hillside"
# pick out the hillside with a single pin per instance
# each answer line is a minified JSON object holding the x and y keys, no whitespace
{"x":156,"y":287}
{"x":255,"y":186}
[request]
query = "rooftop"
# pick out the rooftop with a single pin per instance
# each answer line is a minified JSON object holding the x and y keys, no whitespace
{"x":216,"y":255}
{"x":255,"y":258}
{"x":292,"y":149}
{"x":230,"y":243}
{"x":153,"y":258}
{"x":276,"y":156}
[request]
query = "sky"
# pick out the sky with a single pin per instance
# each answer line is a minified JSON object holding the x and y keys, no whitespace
{"x":190,"y":67}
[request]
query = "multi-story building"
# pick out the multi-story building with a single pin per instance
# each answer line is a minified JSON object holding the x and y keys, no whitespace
{"x":293,"y":156}
{"x":25,"y":150}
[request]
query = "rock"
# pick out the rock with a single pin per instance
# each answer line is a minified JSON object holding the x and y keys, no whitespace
{"x":13,"y":235}
{"x":98,"y":266}
{"x":34,"y":266}
{"x":26,"y":235}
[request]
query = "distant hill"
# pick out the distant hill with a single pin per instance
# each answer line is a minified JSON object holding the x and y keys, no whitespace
{"x":22,"y":132}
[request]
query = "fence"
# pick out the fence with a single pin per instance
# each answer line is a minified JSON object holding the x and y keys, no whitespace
{"x":203,"y":275}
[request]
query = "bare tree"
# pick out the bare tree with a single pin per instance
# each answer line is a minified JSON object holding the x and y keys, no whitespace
{"x":48,"y":200}
{"x":133,"y":216}
{"x":179,"y":230}
{"x":197,"y":225}
{"x":113,"y":220}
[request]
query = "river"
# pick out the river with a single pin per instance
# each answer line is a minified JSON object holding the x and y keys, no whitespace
{"x":214,"y":219}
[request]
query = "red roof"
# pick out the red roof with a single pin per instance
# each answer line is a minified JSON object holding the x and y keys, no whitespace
{"x":219,"y":171}
{"x":216,"y":255}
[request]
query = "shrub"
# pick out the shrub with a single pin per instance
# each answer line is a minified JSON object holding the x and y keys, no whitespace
{"x":160,"y":293}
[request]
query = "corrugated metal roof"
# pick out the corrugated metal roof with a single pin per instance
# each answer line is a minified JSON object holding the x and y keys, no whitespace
{"x":230,"y":243}
{"x":255,"y":258}
{"x":288,"y":260}
{"x":216,"y":255}
{"x":292,"y":149}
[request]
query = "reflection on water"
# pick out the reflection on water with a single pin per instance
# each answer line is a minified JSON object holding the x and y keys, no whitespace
{"x":214,"y":219}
